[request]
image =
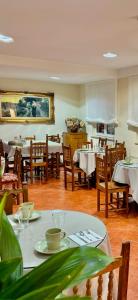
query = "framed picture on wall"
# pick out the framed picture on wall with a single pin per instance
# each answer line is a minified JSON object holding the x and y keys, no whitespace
{"x":25,"y":107}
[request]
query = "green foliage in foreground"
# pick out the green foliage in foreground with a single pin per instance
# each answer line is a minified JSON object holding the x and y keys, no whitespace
{"x":48,"y":280}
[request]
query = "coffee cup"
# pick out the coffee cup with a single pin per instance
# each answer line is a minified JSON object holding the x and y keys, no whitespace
{"x":27,"y":209}
{"x":54,"y":237}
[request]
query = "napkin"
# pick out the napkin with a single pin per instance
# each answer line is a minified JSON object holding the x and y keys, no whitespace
{"x":85,"y":237}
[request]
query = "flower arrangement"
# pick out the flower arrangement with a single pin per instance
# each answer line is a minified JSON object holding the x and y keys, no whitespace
{"x":75,"y":124}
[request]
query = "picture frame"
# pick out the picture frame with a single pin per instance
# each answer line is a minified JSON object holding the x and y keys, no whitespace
{"x":26,"y":107}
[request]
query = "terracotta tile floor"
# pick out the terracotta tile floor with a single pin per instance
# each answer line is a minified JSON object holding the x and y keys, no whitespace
{"x":52,"y":195}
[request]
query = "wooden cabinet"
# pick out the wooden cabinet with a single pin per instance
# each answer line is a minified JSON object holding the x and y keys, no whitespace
{"x":74,"y":139}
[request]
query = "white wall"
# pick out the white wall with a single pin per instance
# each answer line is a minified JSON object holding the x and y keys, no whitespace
{"x":124,"y":132}
{"x":67,"y":104}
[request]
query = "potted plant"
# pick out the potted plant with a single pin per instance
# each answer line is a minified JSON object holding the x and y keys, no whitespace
{"x":75,"y":125}
{"x":48,"y":280}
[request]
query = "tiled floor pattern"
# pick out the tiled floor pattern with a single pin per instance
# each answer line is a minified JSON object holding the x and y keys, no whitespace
{"x":52,"y":195}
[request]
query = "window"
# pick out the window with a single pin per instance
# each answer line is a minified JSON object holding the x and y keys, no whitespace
{"x":105,"y":129}
{"x":100,"y":128}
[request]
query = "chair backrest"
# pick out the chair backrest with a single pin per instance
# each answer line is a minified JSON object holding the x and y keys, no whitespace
{"x":102,"y":142}
{"x":54,"y":138}
{"x":113,"y":155}
{"x":38,"y":150}
{"x":12,"y":193}
{"x":87,"y":145}
{"x":119,"y":144}
{"x":101,"y":170}
{"x":1,"y":148}
{"x":67,"y":155}
{"x":17,"y":163}
{"x":122,"y":264}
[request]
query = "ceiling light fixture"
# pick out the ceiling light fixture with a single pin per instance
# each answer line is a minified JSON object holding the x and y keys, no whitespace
{"x":54,"y":77}
{"x":110,"y":55}
{"x":6,"y":38}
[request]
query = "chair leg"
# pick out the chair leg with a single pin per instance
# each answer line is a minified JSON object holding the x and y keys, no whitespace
{"x":65,"y":179}
{"x":106,"y":205}
{"x":125,"y":194}
{"x":72,"y":181}
{"x":98,"y":200}
{"x":31,"y":175}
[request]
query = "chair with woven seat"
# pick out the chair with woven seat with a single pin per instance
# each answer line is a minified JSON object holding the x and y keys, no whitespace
{"x":54,"y":158}
{"x":54,"y":164}
{"x":71,"y":168}
{"x":104,"y":280}
{"x":38,"y":160}
{"x":13,"y":178}
{"x":113,"y":155}
{"x":108,"y":187}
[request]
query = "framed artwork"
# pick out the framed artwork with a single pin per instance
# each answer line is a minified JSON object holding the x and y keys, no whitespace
{"x":25,"y":107}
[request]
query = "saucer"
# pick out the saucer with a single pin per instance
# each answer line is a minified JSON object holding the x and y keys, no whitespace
{"x":41,"y":247}
{"x":35,"y":216}
{"x":127,"y":163}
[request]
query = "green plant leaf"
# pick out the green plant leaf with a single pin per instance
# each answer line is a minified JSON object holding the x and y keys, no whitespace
{"x":63,"y":269}
{"x":6,"y":268}
{"x":9,"y":245}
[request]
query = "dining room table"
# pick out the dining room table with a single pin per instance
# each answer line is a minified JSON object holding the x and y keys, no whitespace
{"x":126,"y":172}
{"x":80,"y":228}
{"x":9,"y":148}
{"x":87,"y":158}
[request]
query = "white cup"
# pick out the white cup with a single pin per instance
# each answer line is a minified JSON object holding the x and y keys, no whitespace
{"x":54,"y":237}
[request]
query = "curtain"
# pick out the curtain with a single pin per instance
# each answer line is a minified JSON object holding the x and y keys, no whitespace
{"x":101,"y":102}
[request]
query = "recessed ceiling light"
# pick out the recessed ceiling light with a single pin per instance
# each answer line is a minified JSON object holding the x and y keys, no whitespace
{"x":110,"y":55}
{"x":54,"y":77}
{"x":6,"y":38}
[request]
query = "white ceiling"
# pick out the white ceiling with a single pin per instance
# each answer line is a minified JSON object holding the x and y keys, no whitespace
{"x":67,"y":38}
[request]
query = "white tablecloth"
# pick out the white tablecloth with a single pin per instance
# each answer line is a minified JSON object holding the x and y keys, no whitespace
{"x":127,"y":174}
{"x":87,"y":161}
{"x":74,"y":222}
{"x":2,"y":165}
{"x":10,"y":149}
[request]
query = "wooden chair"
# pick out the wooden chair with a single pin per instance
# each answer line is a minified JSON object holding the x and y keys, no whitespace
{"x":102,"y":142}
{"x":54,"y":138}
{"x":113,"y":155}
{"x":15,"y":194}
{"x":54,"y":164}
{"x":54,"y":158}
{"x":120,"y":263}
{"x":70,"y":167}
{"x":12,"y":180}
{"x":87,"y":145}
{"x":119,"y":144}
{"x":38,"y":160}
{"x":108,"y":187}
